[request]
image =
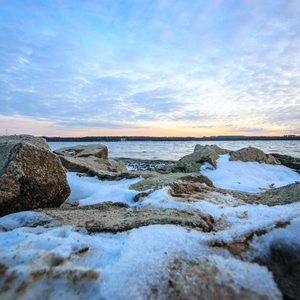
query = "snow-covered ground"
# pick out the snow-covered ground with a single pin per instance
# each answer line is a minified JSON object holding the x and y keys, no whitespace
{"x":65,"y":263}
{"x":248,"y":176}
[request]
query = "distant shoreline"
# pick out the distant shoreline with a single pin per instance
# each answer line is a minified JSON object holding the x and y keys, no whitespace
{"x":170,"y":139}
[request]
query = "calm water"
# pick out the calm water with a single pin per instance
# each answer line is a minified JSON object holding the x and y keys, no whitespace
{"x":175,"y":150}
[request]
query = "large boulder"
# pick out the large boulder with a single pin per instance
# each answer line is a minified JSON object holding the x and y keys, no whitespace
{"x":96,"y":150}
{"x":31,"y":176}
{"x":202,"y":154}
{"x":254,"y":155}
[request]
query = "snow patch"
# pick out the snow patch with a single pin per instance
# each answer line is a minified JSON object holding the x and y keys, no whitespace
{"x":90,"y":190}
{"x":248,"y":176}
{"x":24,"y":218}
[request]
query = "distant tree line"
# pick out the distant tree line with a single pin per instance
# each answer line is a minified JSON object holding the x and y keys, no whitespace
{"x":170,"y":139}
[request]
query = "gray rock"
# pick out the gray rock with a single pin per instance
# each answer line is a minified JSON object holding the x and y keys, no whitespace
{"x":202,"y":154}
{"x":288,"y":161}
{"x":281,"y":196}
{"x":254,"y":155}
{"x":31,"y":176}
{"x":96,"y":150}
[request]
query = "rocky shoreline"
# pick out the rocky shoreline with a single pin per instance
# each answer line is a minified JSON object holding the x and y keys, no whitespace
{"x":165,"y":193}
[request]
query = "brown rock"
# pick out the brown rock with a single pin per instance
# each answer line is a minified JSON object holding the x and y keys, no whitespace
{"x":97,"y":150}
{"x":31,"y":176}
{"x":202,"y":154}
{"x":254,"y":155}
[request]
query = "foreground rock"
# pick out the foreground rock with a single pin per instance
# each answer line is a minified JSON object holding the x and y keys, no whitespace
{"x":288,"y":161}
{"x":202,"y":154}
{"x":117,"y":217}
{"x":31,"y":176}
{"x":284,"y":263}
{"x":90,"y":159}
{"x":215,"y":277}
{"x":254,"y":155}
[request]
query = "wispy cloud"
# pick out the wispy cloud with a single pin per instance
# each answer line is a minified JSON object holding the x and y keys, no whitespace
{"x":195,"y":67}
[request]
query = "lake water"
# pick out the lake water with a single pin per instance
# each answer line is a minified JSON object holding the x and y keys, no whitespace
{"x":176,"y":150}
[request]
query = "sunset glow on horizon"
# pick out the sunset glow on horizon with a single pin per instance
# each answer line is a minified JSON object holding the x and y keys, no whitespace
{"x":150,"y":68}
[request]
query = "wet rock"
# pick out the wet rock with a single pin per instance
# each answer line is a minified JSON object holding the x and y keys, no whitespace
{"x":281,"y":196}
{"x":284,"y":262}
{"x":31,"y":176}
{"x":117,"y":217}
{"x":215,"y":277}
{"x":288,"y":161}
{"x":254,"y":155}
{"x":202,"y":154}
{"x":96,"y":150}
{"x":162,"y":166}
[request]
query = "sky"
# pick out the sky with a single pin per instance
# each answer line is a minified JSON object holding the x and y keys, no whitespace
{"x":150,"y":68}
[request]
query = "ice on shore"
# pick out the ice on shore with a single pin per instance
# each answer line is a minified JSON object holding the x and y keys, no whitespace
{"x":248,"y":176}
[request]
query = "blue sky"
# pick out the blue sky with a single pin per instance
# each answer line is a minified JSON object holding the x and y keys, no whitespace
{"x":163,"y":68}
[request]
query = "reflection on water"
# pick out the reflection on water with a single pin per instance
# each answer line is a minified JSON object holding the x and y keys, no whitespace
{"x":175,"y":150}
